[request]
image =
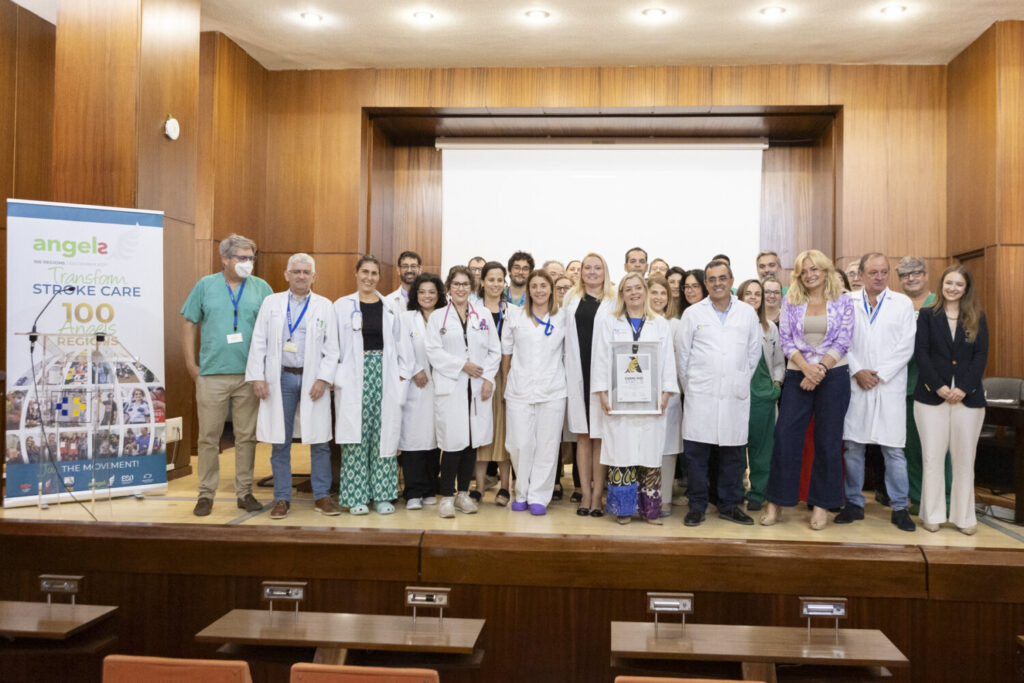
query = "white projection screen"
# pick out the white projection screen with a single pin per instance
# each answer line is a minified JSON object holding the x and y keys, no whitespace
{"x":684,"y":206}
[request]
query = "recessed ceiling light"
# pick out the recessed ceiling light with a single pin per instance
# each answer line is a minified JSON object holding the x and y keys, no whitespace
{"x":311,"y":18}
{"x":773,"y":12}
{"x":654,"y":12}
{"x":893,"y":11}
{"x":423,"y":15}
{"x":538,"y":14}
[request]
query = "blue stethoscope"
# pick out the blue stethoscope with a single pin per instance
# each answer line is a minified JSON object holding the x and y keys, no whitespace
{"x":471,"y":314}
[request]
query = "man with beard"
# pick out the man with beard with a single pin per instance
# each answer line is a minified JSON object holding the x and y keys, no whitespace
{"x":410,"y":265}
{"x":520,"y":265}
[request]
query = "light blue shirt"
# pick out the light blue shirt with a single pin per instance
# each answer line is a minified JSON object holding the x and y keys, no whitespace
{"x":295,"y":359}
{"x":722,"y":315}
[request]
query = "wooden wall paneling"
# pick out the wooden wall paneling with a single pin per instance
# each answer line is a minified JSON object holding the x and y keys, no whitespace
{"x":180,"y":275}
{"x":787,"y":190}
{"x":271,"y":266}
{"x":417,"y":204}
{"x":95,"y":114}
{"x":770,"y":85}
{"x":1006,"y":356}
{"x":645,"y":89}
{"x":401,"y":87}
{"x":293,"y":153}
{"x":1010,"y":119}
{"x":8,"y":91}
{"x":628,"y":88}
{"x":564,"y":88}
{"x":682,"y":88}
{"x":335,"y":274}
{"x":382,"y":237}
{"x":33,"y":146}
{"x":235,"y":160}
{"x":341,"y":214}
{"x":823,"y":190}
{"x":986,"y":656}
{"x":206,"y":158}
{"x":463,"y":88}
{"x":972,"y":142}
{"x":514,"y":90}
{"x":168,"y":85}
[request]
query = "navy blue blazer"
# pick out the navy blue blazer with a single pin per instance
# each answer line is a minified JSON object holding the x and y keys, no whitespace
{"x":941,"y":357}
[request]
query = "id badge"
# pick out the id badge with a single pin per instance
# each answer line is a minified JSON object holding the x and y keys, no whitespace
{"x":235,"y":338}
{"x":291,"y":347}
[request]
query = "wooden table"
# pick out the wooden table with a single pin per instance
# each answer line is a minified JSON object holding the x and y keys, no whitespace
{"x":1012,"y":416}
{"x":334,"y":634}
{"x":48,"y":621}
{"x":757,"y":648}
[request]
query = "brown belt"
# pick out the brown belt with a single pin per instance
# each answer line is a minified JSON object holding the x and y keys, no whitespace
{"x":293,"y":371}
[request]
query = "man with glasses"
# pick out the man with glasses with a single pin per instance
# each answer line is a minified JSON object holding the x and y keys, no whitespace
{"x":410,"y":265}
{"x":913,"y":274}
{"x":476,"y":266}
{"x":520,"y":265}
{"x":224,"y":306}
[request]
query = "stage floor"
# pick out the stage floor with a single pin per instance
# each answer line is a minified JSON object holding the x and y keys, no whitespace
{"x":176,"y":508}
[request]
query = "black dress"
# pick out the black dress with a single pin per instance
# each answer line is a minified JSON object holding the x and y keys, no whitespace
{"x":585,"y":314}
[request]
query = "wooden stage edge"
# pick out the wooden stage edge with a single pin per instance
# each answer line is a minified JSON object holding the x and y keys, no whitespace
{"x":948,"y":610}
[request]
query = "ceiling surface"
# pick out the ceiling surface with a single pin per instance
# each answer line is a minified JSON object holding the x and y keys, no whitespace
{"x":470,"y":33}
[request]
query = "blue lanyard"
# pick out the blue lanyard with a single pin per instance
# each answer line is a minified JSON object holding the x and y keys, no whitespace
{"x":874,"y":315}
{"x":292,"y":328}
{"x":549,"y":327}
{"x":235,"y":298}
{"x":636,"y":329}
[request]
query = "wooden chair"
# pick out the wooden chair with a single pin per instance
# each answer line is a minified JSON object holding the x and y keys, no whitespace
{"x":330,"y":673}
{"x":132,"y":669}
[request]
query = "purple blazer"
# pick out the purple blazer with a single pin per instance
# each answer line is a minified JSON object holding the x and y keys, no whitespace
{"x":838,"y":334}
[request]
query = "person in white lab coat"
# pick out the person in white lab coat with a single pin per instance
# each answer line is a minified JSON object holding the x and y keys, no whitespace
{"x":661,"y":298}
{"x":632,"y":445}
{"x":532,"y":347}
{"x":409,"y":267}
{"x":369,"y":389}
{"x":291,"y":365}
{"x":464,"y":354}
{"x":718,"y":346}
{"x":491,"y":296}
{"x":590,"y":299}
{"x":883,"y":344}
{"x":420,"y":458}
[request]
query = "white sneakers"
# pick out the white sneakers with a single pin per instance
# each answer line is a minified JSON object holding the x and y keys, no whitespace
{"x":414,"y":504}
{"x":461,"y":502}
{"x":430,"y":500}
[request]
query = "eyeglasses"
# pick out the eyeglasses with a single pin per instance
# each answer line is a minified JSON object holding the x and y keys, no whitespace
{"x":409,"y":266}
{"x":307,"y":273}
{"x":458,"y":285}
{"x":769,"y":292}
{"x":721,"y":279}
{"x":244,"y":259}
{"x":520,"y":269}
{"x":913,"y":273}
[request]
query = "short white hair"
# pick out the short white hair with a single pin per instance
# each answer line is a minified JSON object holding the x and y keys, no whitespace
{"x":301,"y":257}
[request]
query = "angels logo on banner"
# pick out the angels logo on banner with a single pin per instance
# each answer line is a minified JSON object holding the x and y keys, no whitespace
{"x":86,"y":401}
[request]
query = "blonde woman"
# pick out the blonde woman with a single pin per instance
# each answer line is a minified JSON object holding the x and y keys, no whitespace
{"x":816,"y":330}
{"x":590,"y":299}
{"x":633,"y":444}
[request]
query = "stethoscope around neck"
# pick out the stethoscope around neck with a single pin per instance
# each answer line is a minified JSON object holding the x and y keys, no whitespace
{"x":471,"y":312}
{"x":356,"y":316}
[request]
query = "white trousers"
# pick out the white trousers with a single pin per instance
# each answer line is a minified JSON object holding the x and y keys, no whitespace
{"x":533,"y":436}
{"x":953,"y":427}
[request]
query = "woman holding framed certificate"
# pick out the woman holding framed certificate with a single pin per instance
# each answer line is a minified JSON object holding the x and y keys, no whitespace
{"x":634,"y":374}
{"x":532,"y":348}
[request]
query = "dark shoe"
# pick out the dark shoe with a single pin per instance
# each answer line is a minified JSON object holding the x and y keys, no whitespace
{"x":695,"y":517}
{"x":753,"y":506}
{"x":735,"y":515}
{"x":583,"y":512}
{"x":882,"y":498}
{"x":476,"y":496}
{"x":901,"y":518}
{"x":502,"y":497}
{"x":596,"y":512}
{"x":249,"y":503}
{"x":849,"y":514}
{"x":280,"y":509}
{"x":557,"y":494}
{"x":326,"y":506}
{"x":575,"y":497}
{"x":203,"y":507}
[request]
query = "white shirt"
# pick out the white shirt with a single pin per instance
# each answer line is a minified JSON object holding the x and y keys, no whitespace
{"x":537,"y":373}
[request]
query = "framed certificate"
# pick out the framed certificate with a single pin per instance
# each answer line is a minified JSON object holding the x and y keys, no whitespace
{"x":636,"y":378}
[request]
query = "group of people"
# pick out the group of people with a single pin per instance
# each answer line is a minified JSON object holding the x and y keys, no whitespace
{"x":500,"y":363}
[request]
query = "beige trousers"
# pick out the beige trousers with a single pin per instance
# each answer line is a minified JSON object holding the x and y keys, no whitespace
{"x":953,"y":427}
{"x":215,"y":394}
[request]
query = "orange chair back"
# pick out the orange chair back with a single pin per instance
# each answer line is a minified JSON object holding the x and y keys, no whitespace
{"x":331,"y":673}
{"x":132,"y":669}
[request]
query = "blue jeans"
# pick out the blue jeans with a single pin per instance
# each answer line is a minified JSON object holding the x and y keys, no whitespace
{"x":730,"y":475}
{"x":896,"y":482}
{"x":281,"y":453}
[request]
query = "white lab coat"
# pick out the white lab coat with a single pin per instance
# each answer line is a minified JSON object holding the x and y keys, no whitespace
{"x":320,"y":360}
{"x":629,"y":440}
{"x":879,"y":415}
{"x":398,"y":363}
{"x":575,"y":413}
{"x":399,"y":303}
{"x":715,"y":362}
{"x":457,"y":424}
{"x":674,"y":409}
{"x":418,"y":411}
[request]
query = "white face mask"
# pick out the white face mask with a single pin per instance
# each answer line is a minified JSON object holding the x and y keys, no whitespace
{"x":243,"y":269}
